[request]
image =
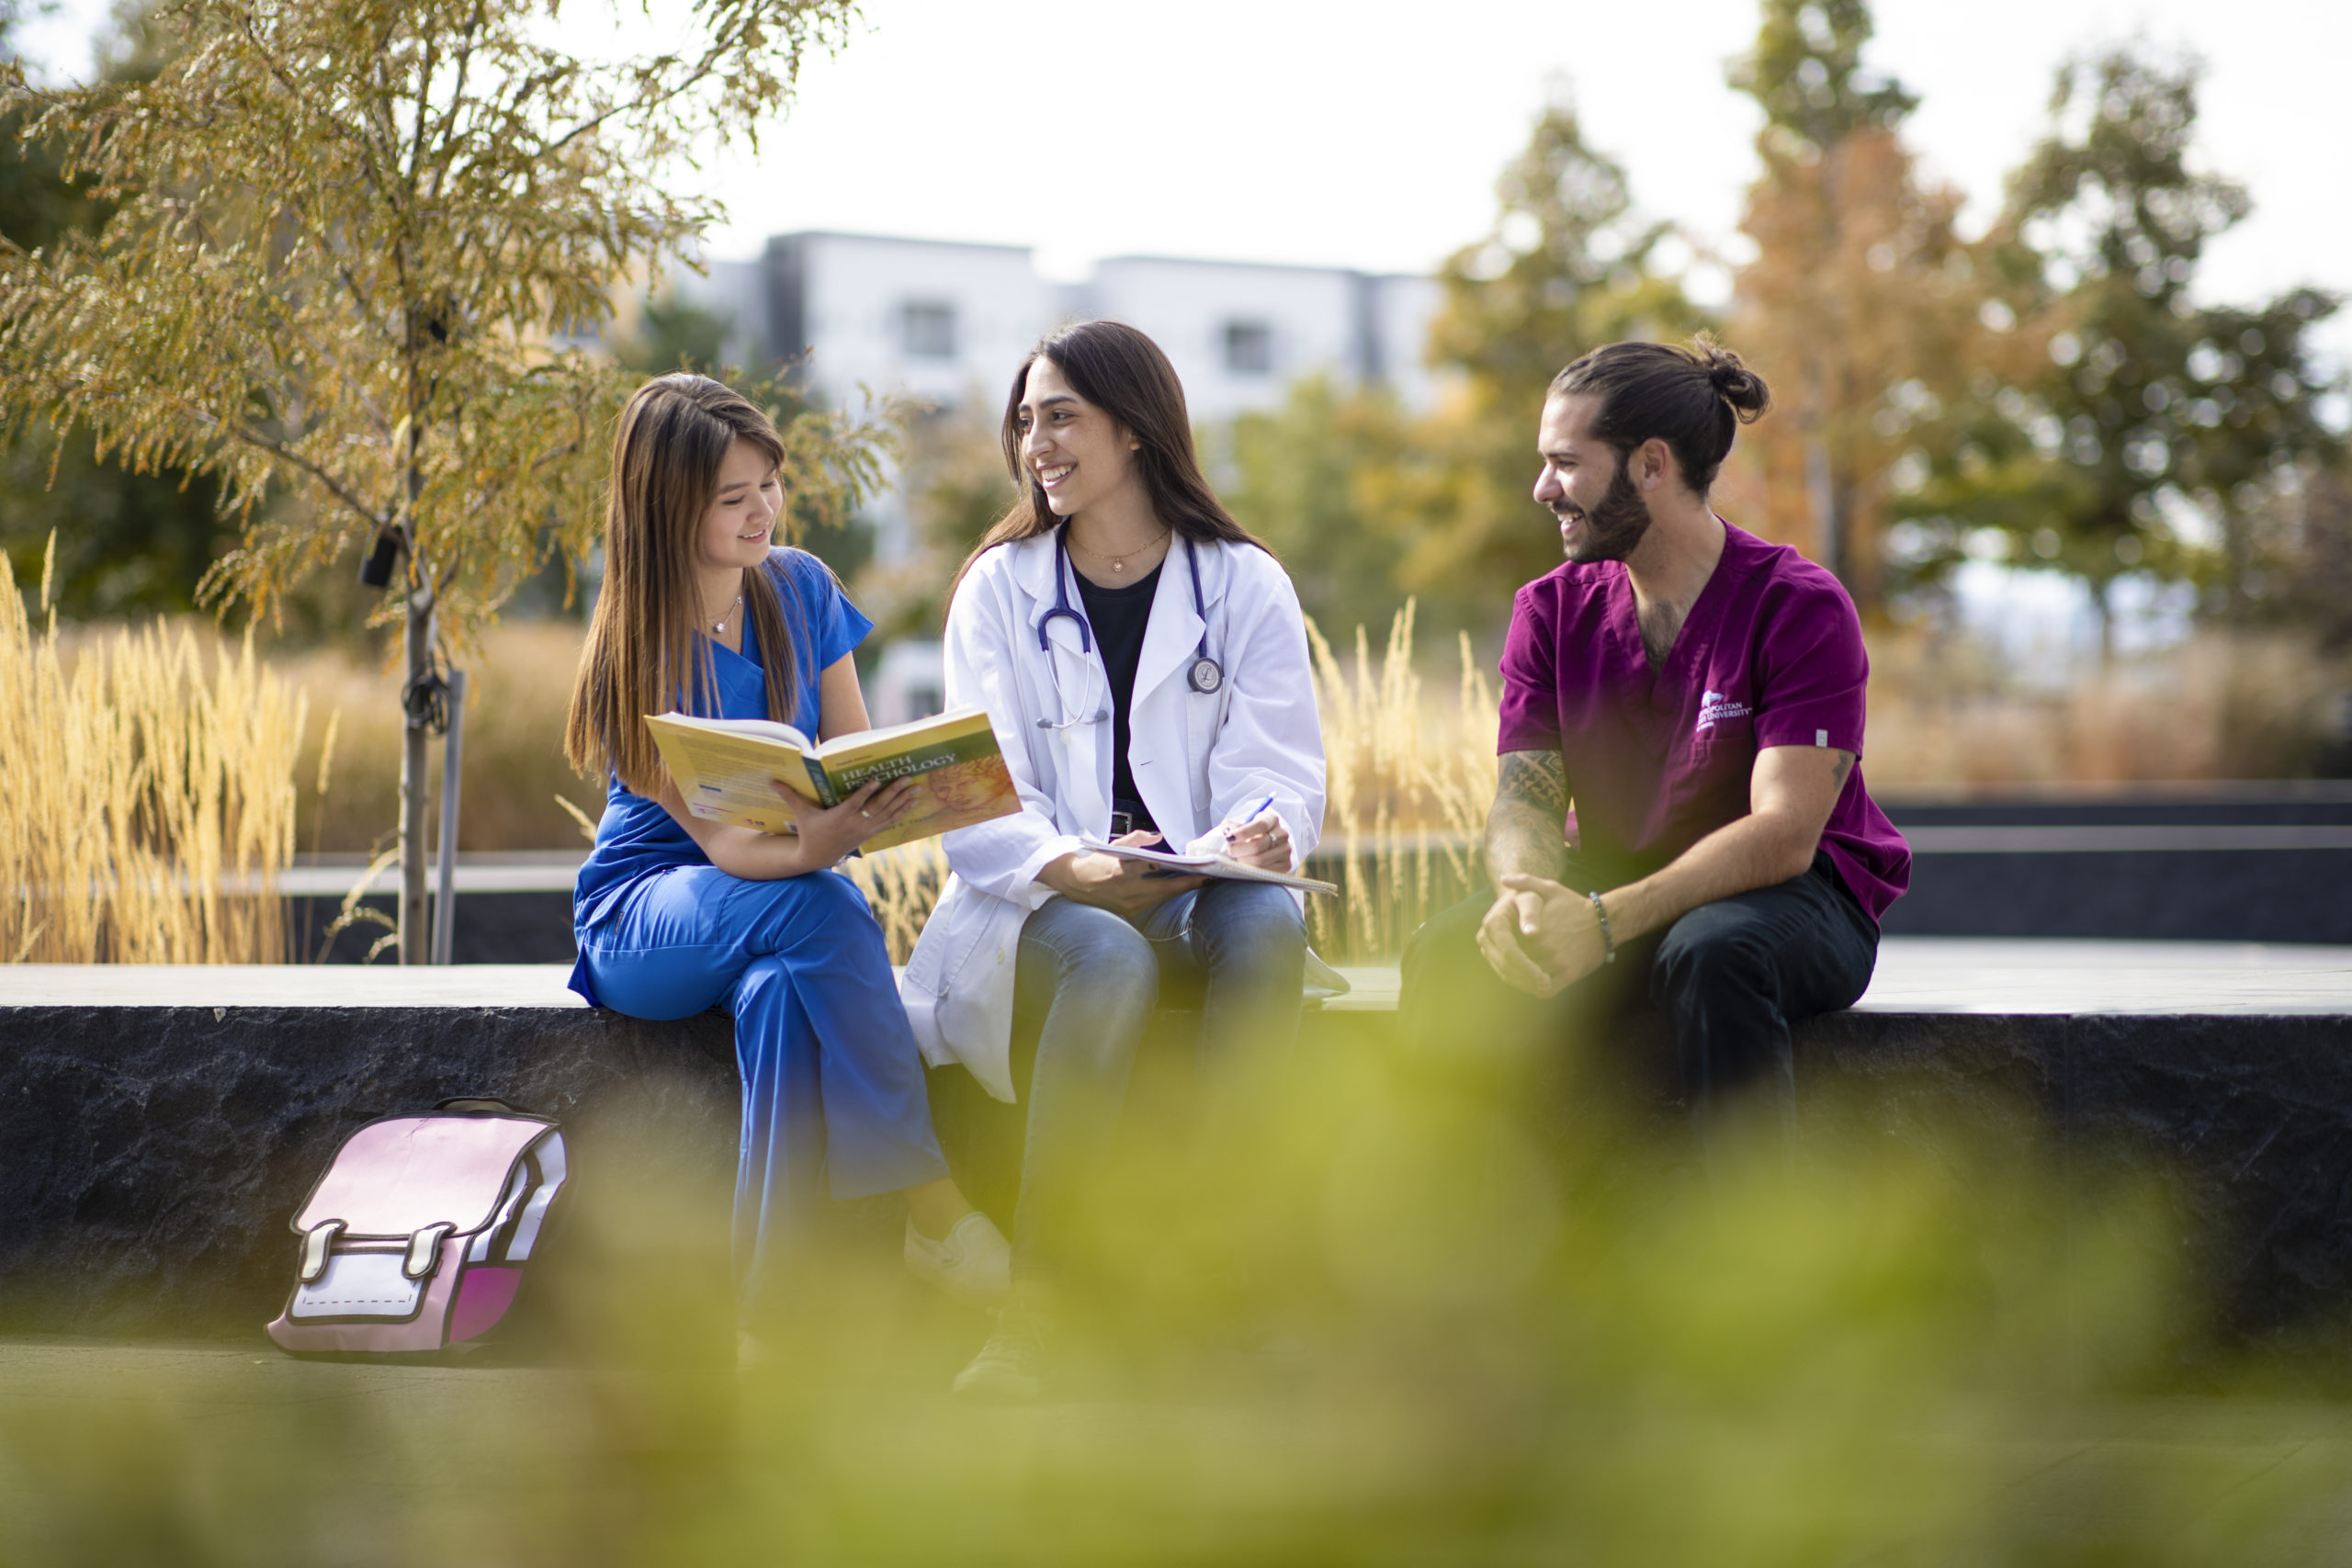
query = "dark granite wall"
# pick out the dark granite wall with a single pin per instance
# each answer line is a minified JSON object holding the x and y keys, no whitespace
{"x":154,"y":1155}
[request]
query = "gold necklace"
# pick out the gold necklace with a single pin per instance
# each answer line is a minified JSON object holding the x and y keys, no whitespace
{"x":1119,"y":563}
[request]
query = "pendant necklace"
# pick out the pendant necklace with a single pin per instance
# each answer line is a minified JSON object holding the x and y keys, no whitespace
{"x":1119,"y":563}
{"x":718,"y":626}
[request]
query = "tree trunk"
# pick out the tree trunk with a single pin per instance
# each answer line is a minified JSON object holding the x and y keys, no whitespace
{"x":415,"y":928}
{"x":1821,"y":493}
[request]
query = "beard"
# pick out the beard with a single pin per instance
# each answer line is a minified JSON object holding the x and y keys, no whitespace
{"x":1613,"y":529}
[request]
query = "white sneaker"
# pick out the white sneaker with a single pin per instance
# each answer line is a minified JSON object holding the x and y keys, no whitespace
{"x":973,"y":1260}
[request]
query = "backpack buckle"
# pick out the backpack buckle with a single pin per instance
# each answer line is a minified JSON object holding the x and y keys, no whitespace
{"x":315,"y":1242}
{"x":424,"y":1250}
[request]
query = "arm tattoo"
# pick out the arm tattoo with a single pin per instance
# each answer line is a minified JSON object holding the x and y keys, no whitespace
{"x":1845,"y":766}
{"x":1538,"y":778}
{"x":1525,"y":826}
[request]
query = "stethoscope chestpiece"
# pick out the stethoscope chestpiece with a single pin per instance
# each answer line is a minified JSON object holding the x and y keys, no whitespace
{"x":1206,"y":676}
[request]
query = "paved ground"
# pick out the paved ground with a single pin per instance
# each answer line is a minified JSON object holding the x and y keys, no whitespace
{"x":1954,"y":975}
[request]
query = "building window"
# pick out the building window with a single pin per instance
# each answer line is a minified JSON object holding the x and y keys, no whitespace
{"x":1249,"y":348}
{"x":927,"y":329}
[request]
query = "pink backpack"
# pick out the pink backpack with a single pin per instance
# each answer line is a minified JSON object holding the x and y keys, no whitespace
{"x":416,"y":1238}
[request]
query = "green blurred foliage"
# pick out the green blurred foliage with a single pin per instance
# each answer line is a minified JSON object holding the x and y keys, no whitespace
{"x":1380,"y":1309}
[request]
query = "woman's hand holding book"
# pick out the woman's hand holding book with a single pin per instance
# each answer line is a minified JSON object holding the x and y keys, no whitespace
{"x":826,"y":835}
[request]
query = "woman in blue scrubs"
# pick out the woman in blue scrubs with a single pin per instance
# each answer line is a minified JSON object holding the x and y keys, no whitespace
{"x":675,"y":914}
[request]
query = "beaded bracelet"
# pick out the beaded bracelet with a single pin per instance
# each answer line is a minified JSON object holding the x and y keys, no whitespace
{"x":1608,"y":938}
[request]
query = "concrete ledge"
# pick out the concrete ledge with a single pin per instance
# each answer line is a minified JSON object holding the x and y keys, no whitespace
{"x":161,"y":1123}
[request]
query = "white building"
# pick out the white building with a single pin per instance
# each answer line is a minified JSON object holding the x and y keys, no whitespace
{"x":945,"y":320}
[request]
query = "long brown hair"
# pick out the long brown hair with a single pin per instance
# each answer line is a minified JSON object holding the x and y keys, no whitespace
{"x":646,"y":652}
{"x":1122,"y":372}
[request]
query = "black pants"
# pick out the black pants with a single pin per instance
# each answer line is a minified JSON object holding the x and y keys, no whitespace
{"x":1729,"y":978}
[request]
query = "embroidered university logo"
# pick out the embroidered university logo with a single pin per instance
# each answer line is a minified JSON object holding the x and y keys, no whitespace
{"x":1714,"y":705}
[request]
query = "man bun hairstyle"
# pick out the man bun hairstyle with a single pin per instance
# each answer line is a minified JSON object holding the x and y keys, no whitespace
{"x":1693,"y":398}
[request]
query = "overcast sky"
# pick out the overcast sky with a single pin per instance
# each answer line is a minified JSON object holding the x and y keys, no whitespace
{"x":1367,"y":133}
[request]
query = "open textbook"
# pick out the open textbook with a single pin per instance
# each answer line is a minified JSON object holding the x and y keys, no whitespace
{"x":723,"y":767}
{"x":1209,"y":865}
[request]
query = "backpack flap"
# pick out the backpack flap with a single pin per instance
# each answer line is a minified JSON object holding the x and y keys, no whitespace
{"x":414,"y":1237}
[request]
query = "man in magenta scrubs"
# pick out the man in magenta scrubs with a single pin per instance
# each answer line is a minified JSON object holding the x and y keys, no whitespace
{"x":1680,"y":800}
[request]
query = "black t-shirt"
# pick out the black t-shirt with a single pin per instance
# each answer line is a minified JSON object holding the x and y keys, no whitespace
{"x":1119,"y":617}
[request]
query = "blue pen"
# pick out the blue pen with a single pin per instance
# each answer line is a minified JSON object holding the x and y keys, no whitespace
{"x":1256,"y":810}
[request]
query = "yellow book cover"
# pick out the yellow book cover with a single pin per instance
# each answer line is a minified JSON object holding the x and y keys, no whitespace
{"x":726,"y":770}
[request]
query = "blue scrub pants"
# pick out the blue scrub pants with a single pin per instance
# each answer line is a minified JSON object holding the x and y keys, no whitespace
{"x":1086,"y":979}
{"x":832,"y":1081}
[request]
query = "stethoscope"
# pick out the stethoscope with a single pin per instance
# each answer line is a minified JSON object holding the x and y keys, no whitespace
{"x":1204,"y":677}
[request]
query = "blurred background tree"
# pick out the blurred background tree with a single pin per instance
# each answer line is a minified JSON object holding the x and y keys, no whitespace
{"x":352,"y":246}
{"x":1569,"y":266}
{"x":1860,"y":303}
{"x":1327,"y":480}
{"x":954,"y":484}
{"x":674,"y":334}
{"x":2150,"y":431}
{"x":1368,"y":503}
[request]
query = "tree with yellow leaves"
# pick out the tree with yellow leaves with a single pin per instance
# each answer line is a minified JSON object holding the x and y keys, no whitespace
{"x":352,"y":245}
{"x":1862,"y":305}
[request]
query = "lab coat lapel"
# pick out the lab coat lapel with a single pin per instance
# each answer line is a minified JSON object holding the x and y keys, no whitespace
{"x":1081,"y":763}
{"x":1174,"y":634}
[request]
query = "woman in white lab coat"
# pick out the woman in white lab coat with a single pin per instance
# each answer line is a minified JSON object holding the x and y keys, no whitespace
{"x":1145,"y":663}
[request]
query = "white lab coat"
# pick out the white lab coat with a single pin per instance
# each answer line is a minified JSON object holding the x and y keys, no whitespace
{"x":1195,"y":757}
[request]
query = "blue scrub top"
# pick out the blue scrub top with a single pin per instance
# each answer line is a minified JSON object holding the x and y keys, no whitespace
{"x":637,"y":839}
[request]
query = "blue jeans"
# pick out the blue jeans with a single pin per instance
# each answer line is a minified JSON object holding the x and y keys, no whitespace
{"x":1086,"y":979}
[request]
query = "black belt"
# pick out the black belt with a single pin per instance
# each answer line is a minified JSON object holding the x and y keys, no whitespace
{"x":1126,"y":822}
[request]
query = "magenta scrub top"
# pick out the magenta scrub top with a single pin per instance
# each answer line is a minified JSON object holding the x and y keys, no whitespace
{"x":1771,"y":655}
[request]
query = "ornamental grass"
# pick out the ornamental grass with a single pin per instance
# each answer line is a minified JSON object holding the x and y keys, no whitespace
{"x":151,"y":793}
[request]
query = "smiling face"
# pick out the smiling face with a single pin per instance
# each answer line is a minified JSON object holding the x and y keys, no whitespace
{"x":1601,"y":513}
{"x":739,"y":523}
{"x":1078,"y":454}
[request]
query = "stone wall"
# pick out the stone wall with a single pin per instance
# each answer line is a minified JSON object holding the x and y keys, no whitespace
{"x":154,"y":1153}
